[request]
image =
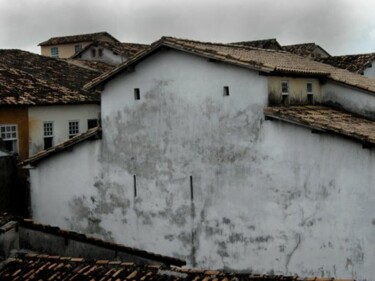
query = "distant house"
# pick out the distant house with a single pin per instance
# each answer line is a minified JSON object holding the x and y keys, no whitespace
{"x":42,"y":102}
{"x":112,"y":53}
{"x":361,"y":63}
{"x":244,"y":158}
{"x":67,"y":46}
{"x":309,"y":50}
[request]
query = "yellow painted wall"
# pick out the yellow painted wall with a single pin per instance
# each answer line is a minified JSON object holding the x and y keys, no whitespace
{"x":18,"y":116}
{"x":65,"y":50}
{"x":297,"y":90}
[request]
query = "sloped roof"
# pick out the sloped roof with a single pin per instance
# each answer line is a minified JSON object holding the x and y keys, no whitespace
{"x":99,"y":66}
{"x":263,"y":60}
{"x":20,"y":88}
{"x":93,"y":133}
{"x":263,"y":44}
{"x":43,"y":267}
{"x":125,"y":49}
{"x":325,"y":119}
{"x":31,"y":79}
{"x":304,"y":49}
{"x":354,"y":63}
{"x":76,"y":38}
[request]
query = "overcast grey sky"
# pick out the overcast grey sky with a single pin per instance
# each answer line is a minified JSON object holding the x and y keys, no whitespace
{"x":339,"y":26}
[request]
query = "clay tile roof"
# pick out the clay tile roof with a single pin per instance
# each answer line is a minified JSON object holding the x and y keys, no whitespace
{"x":92,"y":65}
{"x":44,"y":267}
{"x":30,"y":224}
{"x":354,"y":63}
{"x":326,"y":119}
{"x":76,"y":38}
{"x":263,"y":60}
{"x":304,"y":49}
{"x":30,"y":79}
{"x":262,"y":44}
{"x":93,"y":133}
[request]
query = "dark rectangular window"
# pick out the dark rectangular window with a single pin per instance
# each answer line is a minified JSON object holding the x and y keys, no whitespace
{"x":100,"y":52}
{"x":137,"y":94}
{"x":92,"y":123}
{"x":309,"y":88}
{"x":93,"y":53}
{"x":226,"y":91}
{"x":48,"y":134}
{"x":284,"y":88}
{"x":48,"y":142}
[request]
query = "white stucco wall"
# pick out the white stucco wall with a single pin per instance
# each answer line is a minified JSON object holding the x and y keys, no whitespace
{"x":108,"y":56}
{"x":370,"y":71}
{"x":348,"y":98}
{"x":60,"y":115}
{"x":267,"y":196}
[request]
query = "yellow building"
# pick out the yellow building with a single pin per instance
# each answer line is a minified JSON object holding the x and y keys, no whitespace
{"x":67,"y":46}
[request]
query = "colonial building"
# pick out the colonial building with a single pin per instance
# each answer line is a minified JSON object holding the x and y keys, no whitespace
{"x":67,"y":46}
{"x":41,"y":101}
{"x":234,"y":157}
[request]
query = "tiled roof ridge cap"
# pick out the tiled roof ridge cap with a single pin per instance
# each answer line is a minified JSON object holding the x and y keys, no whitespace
{"x":300,"y":44}
{"x":354,"y":55}
{"x":229,"y":45}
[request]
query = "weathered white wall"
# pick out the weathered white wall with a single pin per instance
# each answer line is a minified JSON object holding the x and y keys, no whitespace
{"x":59,"y":184}
{"x":348,"y":98}
{"x":370,"y":71}
{"x":107,"y":57}
{"x":267,"y":196}
{"x":60,"y":115}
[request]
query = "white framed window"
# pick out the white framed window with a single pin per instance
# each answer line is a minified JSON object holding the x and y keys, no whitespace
{"x":9,"y":135}
{"x":54,"y":52}
{"x":284,"y":87}
{"x":48,"y":134}
{"x":73,"y":128}
{"x":77,"y":48}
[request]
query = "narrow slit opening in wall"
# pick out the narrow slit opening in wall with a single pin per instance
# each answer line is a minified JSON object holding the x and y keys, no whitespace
{"x":137,"y":94}
{"x":310,"y":98}
{"x":135,"y":185}
{"x":191,"y":189}
{"x":226,"y":91}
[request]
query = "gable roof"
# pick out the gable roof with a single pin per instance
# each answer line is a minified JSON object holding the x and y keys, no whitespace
{"x":125,"y":49}
{"x":354,"y":63}
{"x":262,"y":60}
{"x":263,"y":44}
{"x":43,"y":267}
{"x":304,"y":49}
{"x":93,"y":133}
{"x":76,"y":38}
{"x":325,"y":119}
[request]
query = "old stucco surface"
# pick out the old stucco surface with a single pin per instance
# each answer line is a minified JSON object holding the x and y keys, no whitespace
{"x":267,"y":196}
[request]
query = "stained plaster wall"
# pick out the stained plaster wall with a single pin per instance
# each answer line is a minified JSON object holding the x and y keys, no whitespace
{"x":349,"y":98}
{"x":60,"y":115}
{"x":264,"y":195}
{"x":297,"y":90}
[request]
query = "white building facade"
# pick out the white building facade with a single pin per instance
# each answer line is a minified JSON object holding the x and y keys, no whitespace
{"x":189,"y":167}
{"x":53,"y":124}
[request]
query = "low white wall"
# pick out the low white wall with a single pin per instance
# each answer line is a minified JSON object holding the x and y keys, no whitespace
{"x":60,"y":115}
{"x":348,"y":98}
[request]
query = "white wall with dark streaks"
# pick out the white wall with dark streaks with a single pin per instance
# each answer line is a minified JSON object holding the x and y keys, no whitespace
{"x":267,"y":196}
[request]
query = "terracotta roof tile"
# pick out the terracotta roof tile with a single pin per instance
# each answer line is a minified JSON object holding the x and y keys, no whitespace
{"x":263,"y":44}
{"x":304,"y":49}
{"x":25,"y":267}
{"x":30,"y":224}
{"x":263,"y":60}
{"x":30,"y":79}
{"x":354,"y":63}
{"x":76,"y":38}
{"x":327,"y":120}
